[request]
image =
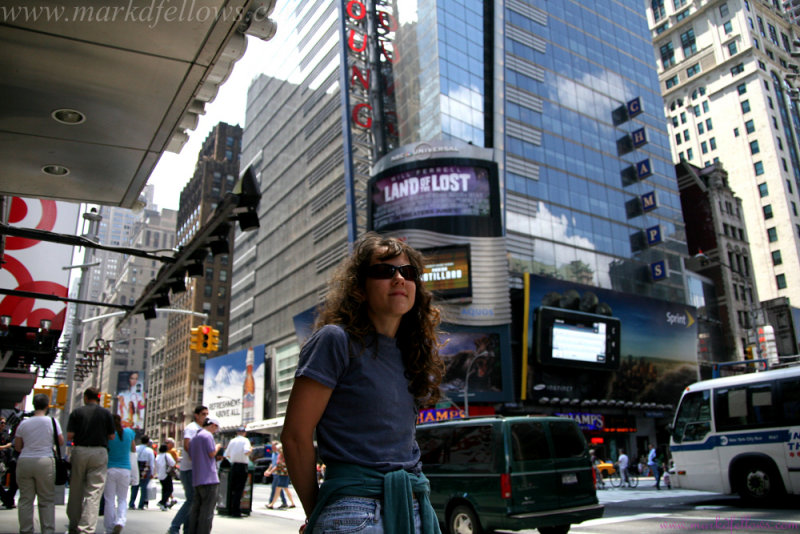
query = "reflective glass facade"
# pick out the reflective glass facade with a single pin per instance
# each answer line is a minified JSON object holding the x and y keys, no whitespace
{"x":568,"y":66}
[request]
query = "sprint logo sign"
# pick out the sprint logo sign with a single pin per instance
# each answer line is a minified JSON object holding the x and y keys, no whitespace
{"x":684,"y":319}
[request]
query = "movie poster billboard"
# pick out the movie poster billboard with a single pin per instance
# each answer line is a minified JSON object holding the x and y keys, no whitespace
{"x":477,"y":363}
{"x":657,"y":353}
{"x":131,"y":399}
{"x":233,"y":387}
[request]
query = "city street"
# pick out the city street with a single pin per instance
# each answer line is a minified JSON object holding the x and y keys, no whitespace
{"x":643,"y":509}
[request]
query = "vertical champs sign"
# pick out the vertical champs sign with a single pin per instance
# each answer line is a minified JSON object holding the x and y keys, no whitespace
{"x":369,"y":54}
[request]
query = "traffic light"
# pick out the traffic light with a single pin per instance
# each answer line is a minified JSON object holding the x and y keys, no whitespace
{"x":213,"y":340}
{"x":205,"y":338}
{"x":195,"y":340}
{"x":106,"y":400}
{"x":61,"y":394}
{"x":748,"y":352}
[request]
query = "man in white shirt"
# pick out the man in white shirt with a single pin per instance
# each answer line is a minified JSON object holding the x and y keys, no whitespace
{"x":238,"y":453}
{"x":182,"y":517}
{"x":622,"y":465}
{"x":146,"y":459}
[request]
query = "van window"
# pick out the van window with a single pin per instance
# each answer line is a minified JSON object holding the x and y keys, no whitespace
{"x":432,"y":445}
{"x":529,"y":442}
{"x":568,"y":441}
{"x":471,"y":445}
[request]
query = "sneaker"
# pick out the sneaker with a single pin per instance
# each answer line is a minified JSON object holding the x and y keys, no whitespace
{"x":162,"y":507}
{"x":117,"y":529}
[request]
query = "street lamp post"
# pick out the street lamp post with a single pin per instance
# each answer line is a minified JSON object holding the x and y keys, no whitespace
{"x":94,"y":219}
{"x":752,"y":311}
{"x":466,"y":386}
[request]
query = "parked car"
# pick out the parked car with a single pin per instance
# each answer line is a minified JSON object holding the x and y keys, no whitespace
{"x":508,"y":473}
{"x":261,"y":465}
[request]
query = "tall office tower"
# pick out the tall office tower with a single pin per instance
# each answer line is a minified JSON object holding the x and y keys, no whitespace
{"x":208,"y":283}
{"x":561,"y":97}
{"x":724,"y":68}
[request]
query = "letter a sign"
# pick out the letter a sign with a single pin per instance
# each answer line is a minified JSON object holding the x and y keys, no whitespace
{"x":643,"y":169}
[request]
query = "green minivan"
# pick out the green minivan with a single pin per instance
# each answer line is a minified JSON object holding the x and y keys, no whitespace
{"x":509,"y":473}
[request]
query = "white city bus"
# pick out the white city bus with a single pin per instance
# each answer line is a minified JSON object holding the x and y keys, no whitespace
{"x":740,"y":434}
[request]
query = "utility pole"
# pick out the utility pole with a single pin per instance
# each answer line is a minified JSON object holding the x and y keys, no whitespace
{"x":94,"y":219}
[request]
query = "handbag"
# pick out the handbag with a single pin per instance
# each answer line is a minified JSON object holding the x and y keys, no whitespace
{"x":62,"y":467}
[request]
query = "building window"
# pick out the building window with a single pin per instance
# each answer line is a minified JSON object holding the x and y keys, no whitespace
{"x":762,"y":65}
{"x":789,"y":187}
{"x":781,"y":281}
{"x":701,"y":128}
{"x":732,"y":48}
{"x":780,"y":143}
{"x":675,"y":122}
{"x":713,"y":143}
{"x":776,"y":257}
{"x":709,"y":125}
{"x":737,"y":69}
{"x":769,"y":103}
{"x":688,"y":43}
{"x":772,"y":234}
{"x":723,"y":10}
{"x":728,"y":27}
{"x":694,"y":69}
{"x":785,"y":166}
{"x":736,"y":132}
{"x":672,"y":82}
{"x":704,"y":147}
{"x":774,"y":123}
{"x":683,"y":117}
{"x":745,"y":106}
{"x":658,"y":9}
{"x":678,"y":139}
{"x":742,"y":88}
{"x":758,"y":166}
{"x":686,"y":135}
{"x":696,"y":111}
{"x":754,"y":147}
{"x":667,"y":55}
{"x":794,"y":209}
{"x":767,"y":211}
{"x":682,"y":15}
{"x":763,"y":190}
{"x":661,"y":29}
{"x":689,"y":153}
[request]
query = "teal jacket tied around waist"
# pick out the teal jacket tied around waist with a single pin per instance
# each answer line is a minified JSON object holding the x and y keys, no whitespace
{"x":396,"y":488}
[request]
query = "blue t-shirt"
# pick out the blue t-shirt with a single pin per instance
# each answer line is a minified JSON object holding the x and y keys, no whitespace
{"x":119,"y":450}
{"x":370,"y":418}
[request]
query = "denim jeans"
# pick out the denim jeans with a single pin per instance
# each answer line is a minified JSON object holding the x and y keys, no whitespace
{"x":274,"y":489}
{"x":182,"y":517}
{"x":363,"y":515}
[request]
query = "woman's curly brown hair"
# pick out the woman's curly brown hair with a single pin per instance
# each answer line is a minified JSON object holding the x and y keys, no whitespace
{"x":346,"y":305}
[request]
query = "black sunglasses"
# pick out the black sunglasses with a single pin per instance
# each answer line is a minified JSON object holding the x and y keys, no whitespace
{"x":385,"y":271}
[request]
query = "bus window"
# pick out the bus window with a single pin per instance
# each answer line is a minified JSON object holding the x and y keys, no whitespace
{"x":790,"y":393}
{"x":750,"y":406}
{"x":693,"y":421}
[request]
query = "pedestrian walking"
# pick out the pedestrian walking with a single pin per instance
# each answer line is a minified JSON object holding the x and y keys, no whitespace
{"x":204,"y":477}
{"x":89,"y":427}
{"x":182,"y":517}
{"x":238,"y":454}
{"x":373,"y":359}
{"x":279,"y":472}
{"x":9,"y":457}
{"x":118,"y":477}
{"x":653,"y":463}
{"x":36,"y":471}
{"x":146,"y":461}
{"x":165,"y":465}
{"x":274,"y":484}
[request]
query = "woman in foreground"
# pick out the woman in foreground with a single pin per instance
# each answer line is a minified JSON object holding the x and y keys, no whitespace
{"x":362,"y":376}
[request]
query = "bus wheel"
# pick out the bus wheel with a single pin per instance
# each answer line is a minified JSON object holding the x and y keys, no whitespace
{"x":759,"y":482}
{"x":464,"y":521}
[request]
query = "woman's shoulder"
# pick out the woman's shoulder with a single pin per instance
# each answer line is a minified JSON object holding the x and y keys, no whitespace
{"x":331,"y":331}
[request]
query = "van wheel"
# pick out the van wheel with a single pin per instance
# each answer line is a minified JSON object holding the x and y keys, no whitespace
{"x":759,"y":482}
{"x":464,"y":521}
{"x":560,"y":529}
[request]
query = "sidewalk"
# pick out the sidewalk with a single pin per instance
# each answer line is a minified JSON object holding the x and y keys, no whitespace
{"x":645,"y":490}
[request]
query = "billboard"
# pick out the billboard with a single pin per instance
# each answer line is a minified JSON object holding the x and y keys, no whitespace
{"x":658,"y":346}
{"x":447,"y":273}
{"x":131,"y":399}
{"x":233,"y":387}
{"x":24,"y":268}
{"x":477,"y":363}
{"x":457,"y":196}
